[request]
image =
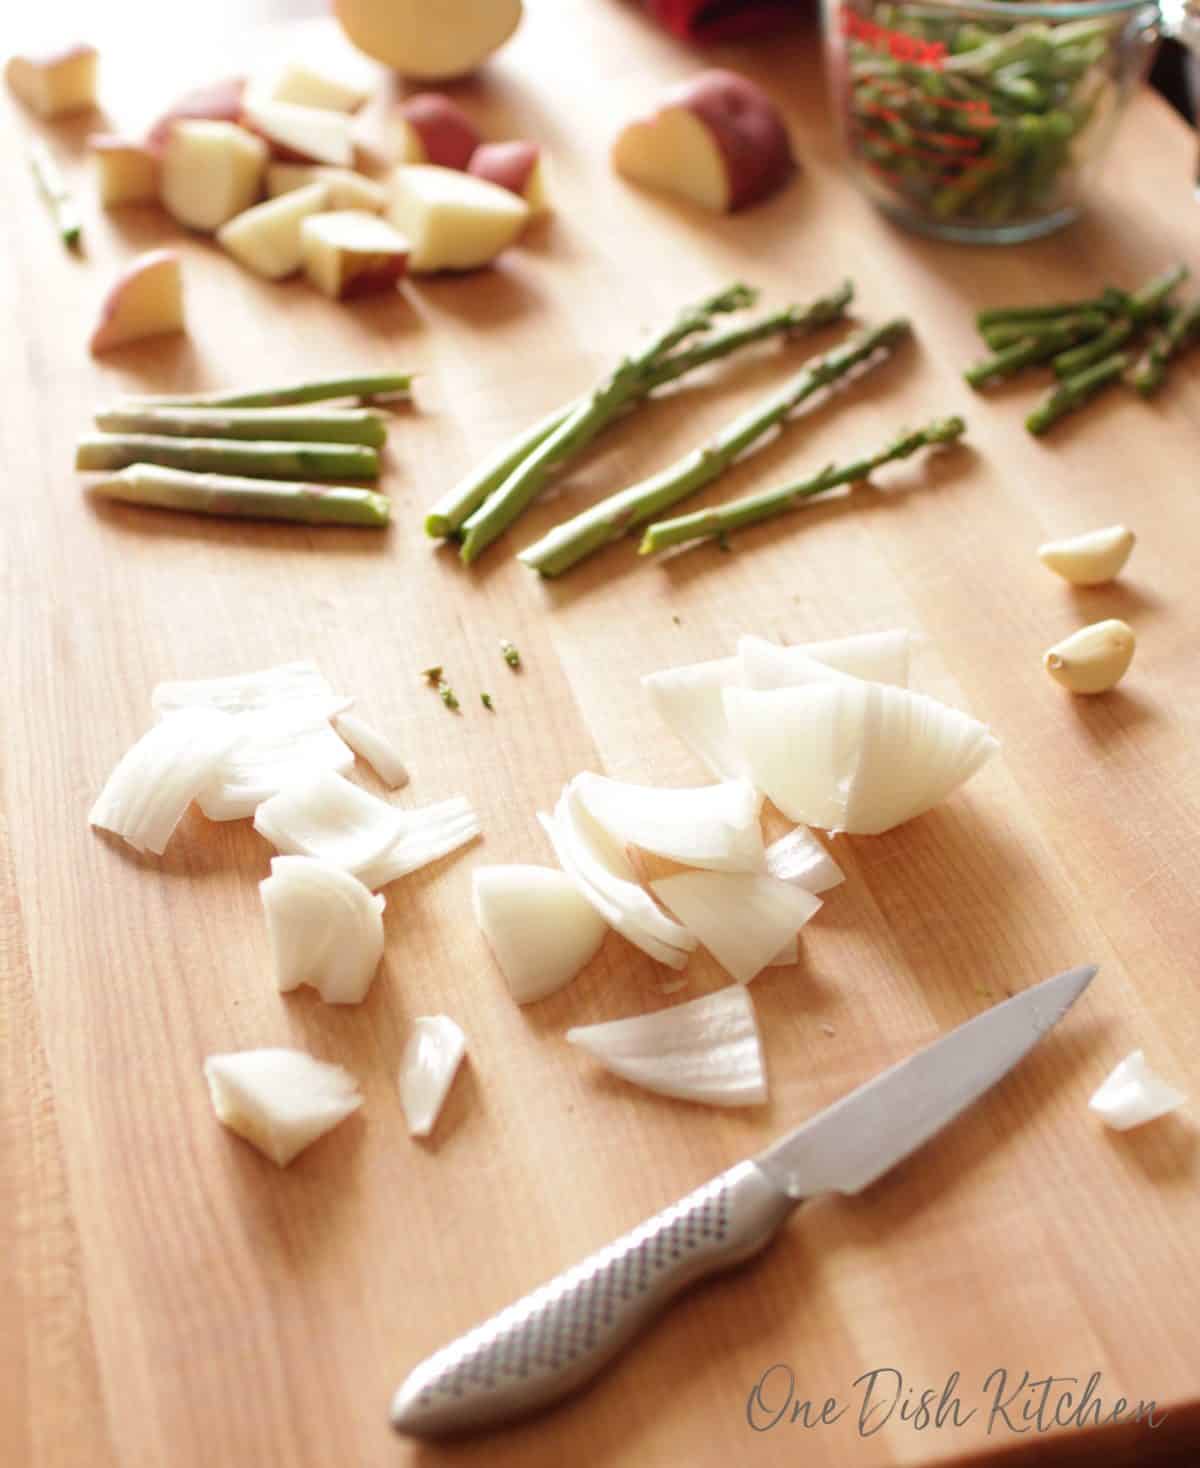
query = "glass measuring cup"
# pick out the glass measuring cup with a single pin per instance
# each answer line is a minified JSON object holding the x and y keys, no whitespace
{"x":981,"y":120}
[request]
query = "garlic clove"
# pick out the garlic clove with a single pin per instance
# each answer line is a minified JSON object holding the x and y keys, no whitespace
{"x":1089,"y":559}
{"x":1094,"y":659}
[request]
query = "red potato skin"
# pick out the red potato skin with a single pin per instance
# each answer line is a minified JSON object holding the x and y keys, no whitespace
{"x":220,"y":102}
{"x":379,"y":278}
{"x":98,"y":341}
{"x":746,"y":128}
{"x":447,"y":134}
{"x":507,"y":164}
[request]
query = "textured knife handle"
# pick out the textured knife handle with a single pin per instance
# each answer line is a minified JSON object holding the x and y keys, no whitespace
{"x":553,"y":1340}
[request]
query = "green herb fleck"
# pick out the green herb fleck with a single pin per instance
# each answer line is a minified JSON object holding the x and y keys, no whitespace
{"x":509,"y":653}
{"x":433,"y":675}
{"x":448,"y":695}
{"x":486,"y":700}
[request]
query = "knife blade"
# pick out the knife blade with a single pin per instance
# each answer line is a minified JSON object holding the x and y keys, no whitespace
{"x":555,"y":1339}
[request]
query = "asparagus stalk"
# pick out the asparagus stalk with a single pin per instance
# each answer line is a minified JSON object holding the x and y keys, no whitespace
{"x":373,"y":385}
{"x":333,"y":425}
{"x":1110,"y":300}
{"x":220,"y":494}
{"x":448,"y":514}
{"x":707,"y":524}
{"x":1180,"y":332}
{"x":613,"y":517}
{"x":625,"y":383}
{"x":53,"y":189}
{"x":228,"y":456}
{"x":1030,"y":349}
{"x":1076,"y":391}
{"x":1075,"y":359}
{"x":1008,"y":333}
{"x":1146,"y":302}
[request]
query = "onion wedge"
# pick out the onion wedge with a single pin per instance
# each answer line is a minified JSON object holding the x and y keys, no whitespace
{"x":326,"y":928}
{"x":744,"y":920}
{"x":853,"y":756}
{"x":688,"y":699}
{"x":280,"y":1101}
{"x":875,"y":657}
{"x":1133,"y":1095}
{"x":144,"y":798}
{"x":706,"y":1050}
{"x":541,"y":929}
{"x":800,"y":858}
{"x":245,"y":692}
{"x":432,"y":1054}
{"x":378,"y":750}
{"x":276,"y":746}
{"x":714,"y":826}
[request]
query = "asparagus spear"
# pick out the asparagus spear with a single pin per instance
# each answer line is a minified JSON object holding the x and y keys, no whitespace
{"x":1109,"y":301}
{"x":1028,"y":350}
{"x":371,"y":385}
{"x":333,"y":425}
{"x":625,"y":383}
{"x":1007,"y":333}
{"x":448,"y":514}
{"x":228,"y":456}
{"x":1075,"y":359}
{"x":1155,"y":294}
{"x":1180,"y":332}
{"x":619,"y":513}
{"x":752,"y":509}
{"x":1076,"y":391}
{"x":53,"y":189}
{"x":254,"y":499}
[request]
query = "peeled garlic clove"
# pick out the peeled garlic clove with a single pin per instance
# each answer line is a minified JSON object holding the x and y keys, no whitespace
{"x":1094,"y":659}
{"x":1091,"y":558}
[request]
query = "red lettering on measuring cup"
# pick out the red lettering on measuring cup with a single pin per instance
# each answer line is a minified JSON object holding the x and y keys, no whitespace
{"x":897,"y":44}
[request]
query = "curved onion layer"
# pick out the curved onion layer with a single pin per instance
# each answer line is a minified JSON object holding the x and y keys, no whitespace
{"x":744,"y":920}
{"x":325,"y":928}
{"x":705,"y":1050}
{"x":800,"y":858}
{"x":541,"y":929}
{"x":245,"y":692}
{"x":600,"y":869}
{"x":853,"y":756}
{"x":714,"y":826}
{"x":144,"y":798}
{"x":875,"y":657}
{"x":276,"y":747}
{"x":378,"y":750}
{"x":421,"y":844}
{"x":1133,"y":1095}
{"x":432,"y":1054}
{"x":688,"y":699}
{"x":280,"y":1101}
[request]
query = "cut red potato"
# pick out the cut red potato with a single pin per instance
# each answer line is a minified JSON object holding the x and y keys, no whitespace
{"x":430,"y":40}
{"x":431,"y":128}
{"x":303,"y":134}
{"x":266,"y":239}
{"x":211,"y":171}
{"x":515,"y":166}
{"x":452,"y":220}
{"x":349,"y":253}
{"x":717,"y":140}
{"x":145,"y":300}
{"x":345,"y":189}
{"x":56,"y":83}
{"x":308,"y":85}
{"x":220,"y":102}
{"x":127,"y":171}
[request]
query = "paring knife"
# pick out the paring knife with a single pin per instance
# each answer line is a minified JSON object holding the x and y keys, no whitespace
{"x":555,"y":1339}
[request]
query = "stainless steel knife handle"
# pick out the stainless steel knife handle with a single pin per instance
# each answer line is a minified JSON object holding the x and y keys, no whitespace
{"x":556,"y":1338}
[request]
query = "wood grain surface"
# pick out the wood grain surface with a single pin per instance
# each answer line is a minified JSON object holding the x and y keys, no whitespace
{"x":170,"y":1298}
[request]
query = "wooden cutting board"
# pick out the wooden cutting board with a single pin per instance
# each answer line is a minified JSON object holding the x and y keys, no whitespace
{"x":171,"y":1298}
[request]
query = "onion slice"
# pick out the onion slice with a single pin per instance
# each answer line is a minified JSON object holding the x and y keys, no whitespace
{"x":280,"y":1101}
{"x":245,"y":692}
{"x":326,"y":928}
{"x":376,"y":748}
{"x":874,"y":657}
{"x":1133,"y":1095}
{"x":541,"y":929}
{"x":744,"y":920}
{"x":714,"y":826}
{"x":706,"y":1050}
{"x":688,"y":699}
{"x":853,"y":756}
{"x":800,"y":858}
{"x":276,"y":746}
{"x":432,"y":1054}
{"x":144,"y":798}
{"x":788,"y":954}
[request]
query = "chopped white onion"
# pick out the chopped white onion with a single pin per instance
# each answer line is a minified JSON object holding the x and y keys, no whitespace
{"x":432,"y":1054}
{"x":326,"y":928}
{"x":744,"y":920}
{"x":853,"y":756}
{"x":601,"y":870}
{"x":419,"y":847}
{"x":144,"y":798}
{"x":376,"y":748}
{"x":280,"y":1101}
{"x":714,"y":826}
{"x":688,"y":699}
{"x":244,"y":692}
{"x":1133,"y":1095}
{"x":800,"y":858}
{"x":705,"y":1050}
{"x":276,"y":746}
{"x":875,"y":657}
{"x":541,"y":929}
{"x":788,"y":954}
